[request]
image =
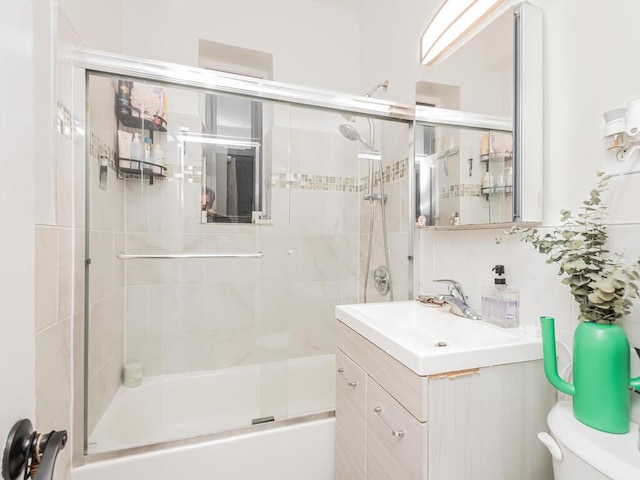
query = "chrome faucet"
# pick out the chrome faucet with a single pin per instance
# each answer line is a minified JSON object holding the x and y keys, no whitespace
{"x":457,"y":300}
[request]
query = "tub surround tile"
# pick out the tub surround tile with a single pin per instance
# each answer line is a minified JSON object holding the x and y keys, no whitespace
{"x":106,"y":353}
{"x":207,"y":307}
{"x":53,"y":372}
{"x":273,"y":315}
{"x":349,"y":247}
{"x":65,"y":271}
{"x":233,"y":269}
{"x":137,"y":301}
{"x":392,"y":207}
{"x":102,"y":265}
{"x":46,"y":287}
{"x":194,"y":352}
{"x":314,"y":212}
{"x":280,"y":209}
{"x":351,"y":212}
{"x":106,"y":329}
{"x":311,"y":385}
{"x":320,"y":257}
{"x":311,"y":314}
{"x":278,"y":264}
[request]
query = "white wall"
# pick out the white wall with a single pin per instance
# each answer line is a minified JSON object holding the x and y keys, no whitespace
{"x":313,"y":43}
{"x":17,"y":346}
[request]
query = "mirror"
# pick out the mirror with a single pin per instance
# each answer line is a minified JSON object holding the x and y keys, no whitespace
{"x":478,"y":77}
{"x":479,"y":127}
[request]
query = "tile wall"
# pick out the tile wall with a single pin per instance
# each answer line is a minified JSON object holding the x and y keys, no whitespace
{"x":190,"y":315}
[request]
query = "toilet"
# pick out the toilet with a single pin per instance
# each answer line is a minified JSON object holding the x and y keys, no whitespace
{"x":583,"y":453}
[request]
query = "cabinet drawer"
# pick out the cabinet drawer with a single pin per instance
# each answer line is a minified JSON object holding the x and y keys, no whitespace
{"x":404,"y":384}
{"x":396,"y":441}
{"x":350,"y":419}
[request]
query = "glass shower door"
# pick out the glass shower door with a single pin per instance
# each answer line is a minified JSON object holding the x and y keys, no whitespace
{"x":222,"y":231}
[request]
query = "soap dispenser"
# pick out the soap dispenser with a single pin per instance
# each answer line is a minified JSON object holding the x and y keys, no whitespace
{"x":500,"y":302}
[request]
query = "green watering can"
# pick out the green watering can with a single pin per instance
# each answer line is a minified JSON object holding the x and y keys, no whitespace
{"x":601,"y":374}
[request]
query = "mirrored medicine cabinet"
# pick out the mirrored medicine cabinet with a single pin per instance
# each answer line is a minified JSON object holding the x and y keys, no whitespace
{"x":478,"y":135}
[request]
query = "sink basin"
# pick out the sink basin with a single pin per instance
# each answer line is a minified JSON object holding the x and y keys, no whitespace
{"x":430,"y":340}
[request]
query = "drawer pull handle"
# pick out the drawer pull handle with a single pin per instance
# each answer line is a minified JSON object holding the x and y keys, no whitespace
{"x":395,"y":433}
{"x":351,"y":384}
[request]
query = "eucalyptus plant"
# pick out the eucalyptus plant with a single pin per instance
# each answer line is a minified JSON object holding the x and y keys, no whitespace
{"x":600,"y":281}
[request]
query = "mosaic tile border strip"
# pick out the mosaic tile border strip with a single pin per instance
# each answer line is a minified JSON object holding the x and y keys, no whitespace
{"x":99,"y":148}
{"x":461,"y":190}
{"x":301,"y":181}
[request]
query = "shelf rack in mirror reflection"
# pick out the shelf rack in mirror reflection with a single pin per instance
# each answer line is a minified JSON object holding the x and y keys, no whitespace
{"x":498,"y":180}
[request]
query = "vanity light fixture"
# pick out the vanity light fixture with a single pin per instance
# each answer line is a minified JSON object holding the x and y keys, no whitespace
{"x":452,"y":21}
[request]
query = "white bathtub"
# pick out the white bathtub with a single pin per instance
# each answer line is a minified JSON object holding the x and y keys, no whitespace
{"x":175,"y":407}
{"x":303,"y":451}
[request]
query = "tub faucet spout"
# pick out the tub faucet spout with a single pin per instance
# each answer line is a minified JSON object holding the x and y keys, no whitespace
{"x":457,"y":300}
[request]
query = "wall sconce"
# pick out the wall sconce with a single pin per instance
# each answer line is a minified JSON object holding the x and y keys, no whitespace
{"x":622,"y":129}
{"x":622,"y":136}
{"x":614,"y":123}
{"x":453,"y":20}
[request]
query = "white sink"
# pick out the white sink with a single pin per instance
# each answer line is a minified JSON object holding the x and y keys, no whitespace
{"x":431,"y":340}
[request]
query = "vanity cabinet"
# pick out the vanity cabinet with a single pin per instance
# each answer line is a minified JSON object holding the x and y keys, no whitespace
{"x":475,"y":424}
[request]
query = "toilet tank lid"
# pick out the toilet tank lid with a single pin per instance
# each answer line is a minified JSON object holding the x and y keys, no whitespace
{"x":615,"y":455}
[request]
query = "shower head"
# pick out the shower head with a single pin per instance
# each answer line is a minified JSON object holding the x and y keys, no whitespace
{"x":350,"y":133}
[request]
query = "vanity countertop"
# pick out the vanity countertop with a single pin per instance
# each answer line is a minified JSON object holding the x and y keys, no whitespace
{"x":430,"y":340}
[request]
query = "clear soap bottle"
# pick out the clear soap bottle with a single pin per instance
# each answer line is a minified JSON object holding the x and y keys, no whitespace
{"x":500,"y":302}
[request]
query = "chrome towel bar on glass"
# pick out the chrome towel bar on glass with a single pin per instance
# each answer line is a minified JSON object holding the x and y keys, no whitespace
{"x":134,"y":256}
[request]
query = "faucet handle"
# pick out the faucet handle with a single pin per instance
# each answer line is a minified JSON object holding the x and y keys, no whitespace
{"x":455,"y":287}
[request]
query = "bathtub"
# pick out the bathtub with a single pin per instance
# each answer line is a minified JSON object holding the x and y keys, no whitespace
{"x":205,"y":417}
{"x":302,"y":451}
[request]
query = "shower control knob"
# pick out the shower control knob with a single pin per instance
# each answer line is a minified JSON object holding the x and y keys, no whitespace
{"x":381,"y":279}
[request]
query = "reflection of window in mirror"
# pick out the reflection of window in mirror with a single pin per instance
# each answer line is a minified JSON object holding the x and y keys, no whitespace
{"x":233,"y":166}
